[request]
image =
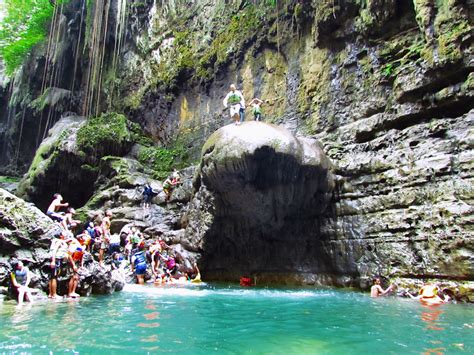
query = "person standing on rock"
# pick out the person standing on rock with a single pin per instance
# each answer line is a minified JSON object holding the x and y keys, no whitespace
{"x":59,"y":259}
{"x":257,"y":110}
{"x":236,"y":101}
{"x":148,"y":195}
{"x":105,"y":238}
{"x":53,"y":209}
{"x":76,"y":254}
{"x":139,"y":264}
{"x":20,"y":280}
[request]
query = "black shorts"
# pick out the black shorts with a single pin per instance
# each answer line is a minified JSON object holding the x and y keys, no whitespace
{"x":59,"y":269}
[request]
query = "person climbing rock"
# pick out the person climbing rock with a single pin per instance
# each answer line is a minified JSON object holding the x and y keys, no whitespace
{"x":236,"y":101}
{"x":53,"y":209}
{"x":68,"y":222}
{"x":21,"y":278}
{"x":169,"y":184}
{"x":376,"y":290}
{"x":256,"y":108}
{"x":148,"y":195}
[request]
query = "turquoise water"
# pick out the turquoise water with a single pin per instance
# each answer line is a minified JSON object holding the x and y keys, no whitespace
{"x":201,"y":320}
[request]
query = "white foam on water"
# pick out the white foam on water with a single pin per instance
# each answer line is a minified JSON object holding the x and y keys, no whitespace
{"x":190,"y":290}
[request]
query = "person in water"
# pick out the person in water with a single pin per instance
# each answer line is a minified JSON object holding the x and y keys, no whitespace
{"x":376,"y":290}
{"x":139,"y":264}
{"x":21,"y":278}
{"x":53,"y":209}
{"x":236,"y":101}
{"x":256,"y":108}
{"x":429,"y":295}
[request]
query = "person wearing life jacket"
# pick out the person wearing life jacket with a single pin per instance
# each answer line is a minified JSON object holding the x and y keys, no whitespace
{"x":428,"y":295}
{"x":76,"y":255}
{"x":139,"y":264}
{"x":21,"y":277}
{"x":236,"y":101}
{"x":256,"y":108}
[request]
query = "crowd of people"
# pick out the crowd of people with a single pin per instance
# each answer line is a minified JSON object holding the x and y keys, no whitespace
{"x":129,"y":249}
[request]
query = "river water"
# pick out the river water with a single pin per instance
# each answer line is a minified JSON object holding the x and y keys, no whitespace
{"x":229,"y":320}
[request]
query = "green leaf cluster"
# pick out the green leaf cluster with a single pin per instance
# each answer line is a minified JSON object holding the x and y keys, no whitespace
{"x":106,"y":134}
{"x":25,"y":24}
{"x":163,"y":160}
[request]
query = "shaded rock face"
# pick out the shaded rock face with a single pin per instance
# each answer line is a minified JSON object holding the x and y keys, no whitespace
{"x":59,"y":167}
{"x":260,"y":193}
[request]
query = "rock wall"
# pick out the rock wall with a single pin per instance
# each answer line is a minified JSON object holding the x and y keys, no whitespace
{"x":386,"y":86}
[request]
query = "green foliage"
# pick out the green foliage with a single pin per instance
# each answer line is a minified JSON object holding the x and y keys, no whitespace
{"x":388,"y":70}
{"x":163,"y":160}
{"x":106,"y":133}
{"x":8,"y":179}
{"x":25,"y":24}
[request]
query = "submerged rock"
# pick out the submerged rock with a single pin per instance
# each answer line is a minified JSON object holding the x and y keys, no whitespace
{"x":259,"y":195}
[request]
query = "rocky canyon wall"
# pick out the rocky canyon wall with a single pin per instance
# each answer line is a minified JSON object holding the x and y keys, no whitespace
{"x":385,"y":85}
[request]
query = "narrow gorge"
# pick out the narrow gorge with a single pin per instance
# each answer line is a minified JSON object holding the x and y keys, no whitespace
{"x":363,"y":165}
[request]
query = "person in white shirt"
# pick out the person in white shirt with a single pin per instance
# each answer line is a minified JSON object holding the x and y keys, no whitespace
{"x":236,"y":101}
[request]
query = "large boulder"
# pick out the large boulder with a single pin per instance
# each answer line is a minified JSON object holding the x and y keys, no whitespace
{"x":259,"y":195}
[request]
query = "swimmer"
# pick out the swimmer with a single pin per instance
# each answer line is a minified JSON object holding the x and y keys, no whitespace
{"x":428,"y":295}
{"x":376,"y":290}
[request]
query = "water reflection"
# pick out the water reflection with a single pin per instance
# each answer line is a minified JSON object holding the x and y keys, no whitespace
{"x":430,"y":316}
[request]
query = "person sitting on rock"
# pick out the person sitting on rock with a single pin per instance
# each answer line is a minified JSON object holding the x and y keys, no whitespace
{"x":376,"y":290}
{"x":76,"y":256}
{"x":68,"y":223}
{"x":21,"y":278}
{"x":139,"y":264}
{"x":53,"y":209}
{"x":168,"y":186}
{"x":236,"y":101}
{"x":59,"y":260}
{"x":257,"y":110}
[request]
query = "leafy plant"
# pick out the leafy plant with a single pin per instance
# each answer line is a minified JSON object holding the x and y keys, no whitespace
{"x":163,"y":160}
{"x":24,"y":25}
{"x":388,"y":70}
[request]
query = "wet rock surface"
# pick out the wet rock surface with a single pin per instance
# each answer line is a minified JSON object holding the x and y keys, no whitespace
{"x":26,"y":235}
{"x":259,"y":196}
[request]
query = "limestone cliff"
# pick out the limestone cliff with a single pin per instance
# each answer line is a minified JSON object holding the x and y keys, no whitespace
{"x":385,"y":85}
